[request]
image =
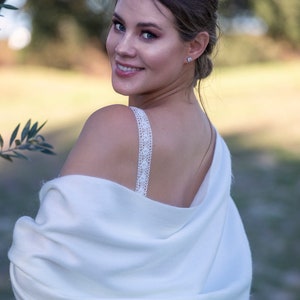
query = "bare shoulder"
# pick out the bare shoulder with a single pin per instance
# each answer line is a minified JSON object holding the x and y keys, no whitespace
{"x":107,"y":145}
{"x":110,"y":120}
{"x":109,"y":126}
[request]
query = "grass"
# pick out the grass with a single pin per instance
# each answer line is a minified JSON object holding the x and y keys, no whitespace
{"x":263,"y":99}
{"x":256,"y":108}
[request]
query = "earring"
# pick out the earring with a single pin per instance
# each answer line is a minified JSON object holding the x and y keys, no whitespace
{"x":189,"y":59}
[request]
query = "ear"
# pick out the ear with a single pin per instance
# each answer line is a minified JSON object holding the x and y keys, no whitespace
{"x":198,"y":45}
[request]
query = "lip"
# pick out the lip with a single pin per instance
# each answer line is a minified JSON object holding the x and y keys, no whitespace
{"x":126,"y":70}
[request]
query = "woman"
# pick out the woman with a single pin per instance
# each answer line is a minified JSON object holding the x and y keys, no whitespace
{"x":142,"y":207}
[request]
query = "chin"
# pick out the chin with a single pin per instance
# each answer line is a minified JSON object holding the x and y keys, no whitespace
{"x":121,"y":92}
{"x":123,"y":89}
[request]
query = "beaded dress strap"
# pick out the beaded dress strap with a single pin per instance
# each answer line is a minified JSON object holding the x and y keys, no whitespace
{"x":145,"y":150}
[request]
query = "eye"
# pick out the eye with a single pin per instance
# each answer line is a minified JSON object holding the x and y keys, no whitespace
{"x":149,"y":35}
{"x":118,"y":26}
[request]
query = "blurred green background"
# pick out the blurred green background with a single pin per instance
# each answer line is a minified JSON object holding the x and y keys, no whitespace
{"x":53,"y":68}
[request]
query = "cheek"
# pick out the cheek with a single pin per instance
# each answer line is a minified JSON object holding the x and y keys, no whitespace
{"x":110,"y":44}
{"x":164,"y":58}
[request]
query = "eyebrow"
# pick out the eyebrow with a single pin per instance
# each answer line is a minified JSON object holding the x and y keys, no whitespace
{"x":140,"y":24}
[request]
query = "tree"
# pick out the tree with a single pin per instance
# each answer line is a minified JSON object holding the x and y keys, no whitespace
{"x":232,"y":8}
{"x":66,"y":27}
{"x":282,"y":18}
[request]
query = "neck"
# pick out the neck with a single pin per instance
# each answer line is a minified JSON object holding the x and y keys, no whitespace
{"x":163,"y":97}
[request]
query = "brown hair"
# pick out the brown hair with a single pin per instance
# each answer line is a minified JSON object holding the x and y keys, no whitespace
{"x":192,"y":17}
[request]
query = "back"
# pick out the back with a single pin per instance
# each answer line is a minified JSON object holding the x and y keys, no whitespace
{"x":183,"y":143}
{"x":183,"y":146}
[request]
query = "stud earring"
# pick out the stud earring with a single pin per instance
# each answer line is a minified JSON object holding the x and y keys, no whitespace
{"x":189,"y":59}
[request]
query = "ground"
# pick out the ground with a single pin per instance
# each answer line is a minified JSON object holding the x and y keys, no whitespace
{"x":256,"y":109}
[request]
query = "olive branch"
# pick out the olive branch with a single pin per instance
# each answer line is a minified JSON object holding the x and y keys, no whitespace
{"x":29,"y":140}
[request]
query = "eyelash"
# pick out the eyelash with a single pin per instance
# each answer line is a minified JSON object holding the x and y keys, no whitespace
{"x":116,"y":24}
{"x":152,"y":35}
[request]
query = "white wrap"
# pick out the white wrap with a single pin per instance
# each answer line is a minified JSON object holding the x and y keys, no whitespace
{"x":95,"y":239}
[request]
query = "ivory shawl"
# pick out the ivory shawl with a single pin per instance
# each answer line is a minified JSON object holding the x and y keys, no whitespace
{"x":95,"y":239}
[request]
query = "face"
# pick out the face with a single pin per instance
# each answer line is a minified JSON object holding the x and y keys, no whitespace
{"x":144,"y":47}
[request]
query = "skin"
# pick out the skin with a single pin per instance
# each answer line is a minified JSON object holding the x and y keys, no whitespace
{"x":156,"y":51}
{"x":149,"y":65}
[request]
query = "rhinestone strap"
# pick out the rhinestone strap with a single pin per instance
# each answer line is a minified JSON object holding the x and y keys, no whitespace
{"x":145,"y":150}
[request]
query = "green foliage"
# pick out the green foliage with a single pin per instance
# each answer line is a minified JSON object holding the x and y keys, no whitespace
{"x":64,"y":27}
{"x":282,"y":18}
{"x":29,"y":140}
{"x":231,"y":8}
{"x":63,"y":31}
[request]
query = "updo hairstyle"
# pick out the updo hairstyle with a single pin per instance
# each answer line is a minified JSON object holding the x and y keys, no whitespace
{"x":192,"y":17}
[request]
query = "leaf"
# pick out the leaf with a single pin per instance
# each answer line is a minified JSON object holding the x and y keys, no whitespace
{"x":8,"y":6}
{"x":47,"y":151}
{"x":6,"y":156}
{"x":31,"y":147}
{"x":1,"y":142}
{"x":19,"y":155}
{"x":37,"y":131}
{"x":35,"y":148}
{"x":25,"y":130}
{"x":13,"y":135}
{"x":24,"y":147}
{"x":33,"y":131}
{"x":46,"y":145}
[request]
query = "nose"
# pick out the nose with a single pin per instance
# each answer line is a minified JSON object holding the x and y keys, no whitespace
{"x":126,"y":46}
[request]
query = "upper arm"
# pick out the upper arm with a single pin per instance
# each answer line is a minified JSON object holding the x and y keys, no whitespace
{"x":107,"y":147}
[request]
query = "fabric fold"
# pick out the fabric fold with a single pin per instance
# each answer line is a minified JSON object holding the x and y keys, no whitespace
{"x":95,"y":239}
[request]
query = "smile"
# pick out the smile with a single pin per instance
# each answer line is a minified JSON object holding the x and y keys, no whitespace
{"x":128,"y":69}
